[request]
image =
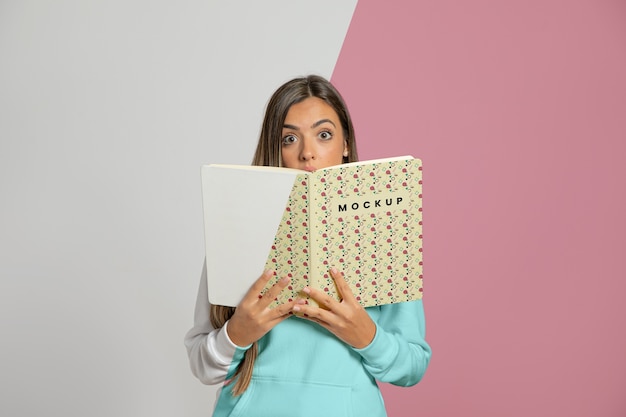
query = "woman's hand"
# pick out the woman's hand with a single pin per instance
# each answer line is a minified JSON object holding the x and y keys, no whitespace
{"x":253,"y":317}
{"x":346,"y":319}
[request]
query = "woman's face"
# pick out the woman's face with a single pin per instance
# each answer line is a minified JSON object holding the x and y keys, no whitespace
{"x":312,"y":136}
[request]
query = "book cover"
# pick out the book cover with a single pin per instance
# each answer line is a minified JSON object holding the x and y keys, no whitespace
{"x":364,"y":218}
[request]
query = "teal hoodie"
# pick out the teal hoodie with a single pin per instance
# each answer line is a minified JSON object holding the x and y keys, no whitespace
{"x":303,"y":370}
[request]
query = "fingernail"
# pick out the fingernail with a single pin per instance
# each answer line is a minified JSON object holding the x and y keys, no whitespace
{"x":284,"y":280}
{"x":306,"y":290}
{"x":296,"y":308}
{"x":333,"y":270}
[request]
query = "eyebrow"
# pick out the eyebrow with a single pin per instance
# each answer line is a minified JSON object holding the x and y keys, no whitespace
{"x":313,"y":126}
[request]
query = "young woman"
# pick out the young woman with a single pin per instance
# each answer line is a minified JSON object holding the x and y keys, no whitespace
{"x":296,"y":359}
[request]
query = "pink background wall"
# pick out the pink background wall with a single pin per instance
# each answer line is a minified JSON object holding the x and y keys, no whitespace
{"x":518,"y":110}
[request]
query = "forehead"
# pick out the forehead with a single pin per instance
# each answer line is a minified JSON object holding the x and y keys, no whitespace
{"x":311,"y":108}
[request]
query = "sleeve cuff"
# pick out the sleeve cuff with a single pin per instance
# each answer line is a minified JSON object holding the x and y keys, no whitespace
{"x":224,"y":340}
{"x":378,"y":347}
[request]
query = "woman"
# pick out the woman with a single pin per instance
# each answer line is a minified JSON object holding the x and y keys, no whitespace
{"x":298,"y":359}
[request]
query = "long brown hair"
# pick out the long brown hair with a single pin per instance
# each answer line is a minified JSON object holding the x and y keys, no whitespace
{"x":268,"y":154}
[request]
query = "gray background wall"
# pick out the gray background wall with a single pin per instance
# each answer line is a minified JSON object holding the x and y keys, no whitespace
{"x":107,"y":111}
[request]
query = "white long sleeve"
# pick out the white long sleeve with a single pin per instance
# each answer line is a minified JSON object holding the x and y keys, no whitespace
{"x":210,"y":350}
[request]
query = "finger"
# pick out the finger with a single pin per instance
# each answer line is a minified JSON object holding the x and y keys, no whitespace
{"x":271,"y":294}
{"x":283,"y":311}
{"x":316,"y":314}
{"x":323,"y":300}
{"x":345,"y":292}
{"x":316,"y":320}
{"x":260,"y":283}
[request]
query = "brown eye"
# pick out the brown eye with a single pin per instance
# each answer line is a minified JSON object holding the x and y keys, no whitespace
{"x":325,"y":135}
{"x":289,"y":139}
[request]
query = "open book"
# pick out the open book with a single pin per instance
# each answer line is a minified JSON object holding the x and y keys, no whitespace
{"x":364,"y":218}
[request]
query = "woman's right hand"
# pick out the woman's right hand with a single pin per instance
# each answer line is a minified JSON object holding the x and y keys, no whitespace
{"x":253,"y":317}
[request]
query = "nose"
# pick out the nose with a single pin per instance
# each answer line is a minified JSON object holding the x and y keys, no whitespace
{"x":307,"y":152}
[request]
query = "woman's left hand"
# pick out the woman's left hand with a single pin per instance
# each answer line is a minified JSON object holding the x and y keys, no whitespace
{"x":346,"y":319}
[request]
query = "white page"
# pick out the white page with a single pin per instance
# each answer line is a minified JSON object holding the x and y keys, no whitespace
{"x":242,"y":212}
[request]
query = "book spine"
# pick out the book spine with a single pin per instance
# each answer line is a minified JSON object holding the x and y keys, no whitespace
{"x":290,"y":253}
{"x":323,"y":235}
